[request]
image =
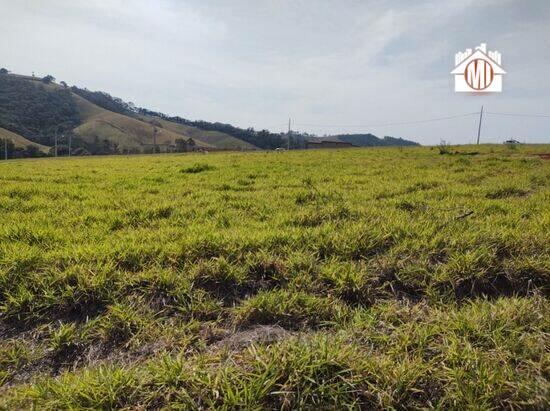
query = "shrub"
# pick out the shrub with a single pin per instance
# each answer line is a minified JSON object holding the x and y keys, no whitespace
{"x":197,"y":168}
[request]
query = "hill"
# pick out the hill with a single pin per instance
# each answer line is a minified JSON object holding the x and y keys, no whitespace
{"x":94,"y":122}
{"x":123,"y":133}
{"x":351,"y":279}
{"x":20,"y":141}
{"x":370,"y":140}
{"x":38,"y":110}
{"x":213,"y":138}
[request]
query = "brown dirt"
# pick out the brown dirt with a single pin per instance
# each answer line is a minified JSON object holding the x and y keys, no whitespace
{"x":264,"y":334}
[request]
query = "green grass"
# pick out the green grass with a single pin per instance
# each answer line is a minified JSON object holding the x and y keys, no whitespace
{"x":402,"y":279}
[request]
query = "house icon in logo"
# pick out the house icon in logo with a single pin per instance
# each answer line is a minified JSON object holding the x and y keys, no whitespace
{"x":478,"y":71}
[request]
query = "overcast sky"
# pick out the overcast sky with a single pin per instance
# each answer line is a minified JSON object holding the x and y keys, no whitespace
{"x":333,"y":66}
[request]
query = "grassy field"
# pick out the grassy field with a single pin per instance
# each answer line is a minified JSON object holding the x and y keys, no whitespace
{"x":360,"y":278}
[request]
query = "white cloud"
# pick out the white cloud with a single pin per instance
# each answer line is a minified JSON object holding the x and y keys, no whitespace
{"x":321,"y":62}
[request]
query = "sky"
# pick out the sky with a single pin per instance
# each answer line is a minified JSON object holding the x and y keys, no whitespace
{"x":333,"y":67}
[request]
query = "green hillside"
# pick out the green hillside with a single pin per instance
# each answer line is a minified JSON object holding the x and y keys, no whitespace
{"x":20,"y":141}
{"x":213,"y":138}
{"x":127,"y":132}
{"x":38,"y":111}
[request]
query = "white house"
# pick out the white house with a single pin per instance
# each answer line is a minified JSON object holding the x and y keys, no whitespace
{"x":478,"y":71}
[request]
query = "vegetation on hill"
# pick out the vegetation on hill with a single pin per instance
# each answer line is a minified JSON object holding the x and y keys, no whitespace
{"x":375,"y":279}
{"x":105,"y":100}
{"x":370,"y":140}
{"x":19,"y":147}
{"x":263,"y":139}
{"x":35,"y":110}
{"x":89,"y":122}
{"x":213,"y":138}
{"x":104,"y":132}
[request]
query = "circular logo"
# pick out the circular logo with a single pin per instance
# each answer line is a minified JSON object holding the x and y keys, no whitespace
{"x":479,"y":74}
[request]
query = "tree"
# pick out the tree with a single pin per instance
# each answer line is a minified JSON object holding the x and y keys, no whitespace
{"x":32,"y":151}
{"x":63,"y":84}
{"x":444,"y":147}
{"x":48,"y":79}
{"x":4,"y":70}
{"x":181,"y":145}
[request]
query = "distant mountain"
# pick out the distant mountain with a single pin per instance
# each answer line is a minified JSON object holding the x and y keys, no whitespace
{"x":370,"y":140}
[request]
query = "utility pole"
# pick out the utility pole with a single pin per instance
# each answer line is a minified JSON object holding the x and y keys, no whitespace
{"x":154,"y":140}
{"x":288,"y":136}
{"x":6,"y":148}
{"x":479,"y":127}
{"x":70,"y":141}
{"x":55,"y":141}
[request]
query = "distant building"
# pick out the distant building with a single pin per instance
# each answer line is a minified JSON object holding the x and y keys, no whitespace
{"x":327,"y":144}
{"x":512,"y":142}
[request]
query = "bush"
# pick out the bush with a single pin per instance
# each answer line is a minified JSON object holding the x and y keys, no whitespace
{"x":197,"y":168}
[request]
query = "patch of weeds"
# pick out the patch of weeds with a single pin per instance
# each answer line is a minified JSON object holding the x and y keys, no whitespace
{"x":14,"y":354}
{"x":495,"y":209}
{"x":121,"y":322}
{"x":444,"y":147}
{"x":141,"y":216}
{"x":540,"y":181}
{"x":64,"y":339}
{"x":506,"y":192}
{"x":313,"y":195}
{"x":290,"y":309}
{"x":170,"y":293}
{"x":464,"y":161}
{"x":348,"y":281}
{"x":245,"y":183}
{"x":264,"y":269}
{"x":219,"y":277}
{"x":198,"y":168}
{"x":318,"y":216}
{"x":22,"y":193}
{"x":411,"y":206}
{"x":422,"y":186}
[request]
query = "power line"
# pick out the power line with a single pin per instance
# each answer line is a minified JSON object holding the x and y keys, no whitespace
{"x":388,"y":124}
{"x":517,"y":115}
{"x":400,"y":123}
